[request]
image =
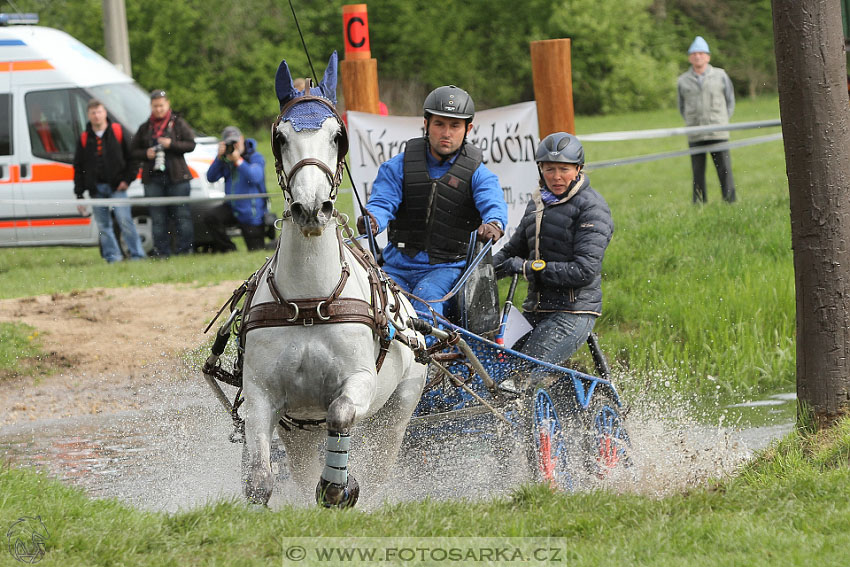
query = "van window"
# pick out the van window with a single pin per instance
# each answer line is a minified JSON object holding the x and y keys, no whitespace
{"x":56,"y":119}
{"x":126,"y":103}
{"x":5,"y":124}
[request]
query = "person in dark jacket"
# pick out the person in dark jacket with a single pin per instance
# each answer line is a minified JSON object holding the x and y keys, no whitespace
{"x":104,"y":168}
{"x":558,"y":247}
{"x":159,"y":144}
{"x":243,"y":170}
{"x":432,"y":197}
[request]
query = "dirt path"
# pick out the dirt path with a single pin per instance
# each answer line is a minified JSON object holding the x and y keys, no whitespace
{"x":113,"y":346}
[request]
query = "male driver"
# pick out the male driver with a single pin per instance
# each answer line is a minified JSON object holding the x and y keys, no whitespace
{"x":433,"y":196}
{"x":706,"y":97}
{"x":159,"y":144}
{"x":103,"y":167}
{"x":243,"y":170}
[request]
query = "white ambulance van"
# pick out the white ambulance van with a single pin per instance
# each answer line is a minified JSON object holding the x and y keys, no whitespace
{"x":46,"y":80}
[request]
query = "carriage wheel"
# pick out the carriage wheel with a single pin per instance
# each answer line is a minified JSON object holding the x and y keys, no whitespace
{"x":607,"y":445}
{"x":551,"y":455}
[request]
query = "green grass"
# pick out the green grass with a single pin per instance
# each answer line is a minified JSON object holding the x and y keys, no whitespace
{"x":788,"y":507}
{"x":702,"y":296}
{"x":21,"y":347}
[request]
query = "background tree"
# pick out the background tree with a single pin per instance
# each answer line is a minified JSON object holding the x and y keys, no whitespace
{"x":218,"y":61}
{"x":815,"y":120}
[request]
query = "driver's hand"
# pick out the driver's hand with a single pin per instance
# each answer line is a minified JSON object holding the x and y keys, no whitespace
{"x":489,"y":231}
{"x":361,"y":224}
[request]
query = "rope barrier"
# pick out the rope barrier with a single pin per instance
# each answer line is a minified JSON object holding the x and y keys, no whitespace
{"x":599,"y":137}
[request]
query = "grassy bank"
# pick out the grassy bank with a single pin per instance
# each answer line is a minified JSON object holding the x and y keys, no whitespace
{"x":789,"y":507}
{"x":700,"y":296}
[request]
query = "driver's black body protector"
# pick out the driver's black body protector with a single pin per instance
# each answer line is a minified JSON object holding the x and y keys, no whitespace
{"x":436,"y":215}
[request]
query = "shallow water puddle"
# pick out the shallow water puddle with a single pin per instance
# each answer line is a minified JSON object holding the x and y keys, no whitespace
{"x":170,"y":459}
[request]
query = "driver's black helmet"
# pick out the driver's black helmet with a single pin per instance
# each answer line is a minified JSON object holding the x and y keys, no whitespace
{"x":450,"y":101}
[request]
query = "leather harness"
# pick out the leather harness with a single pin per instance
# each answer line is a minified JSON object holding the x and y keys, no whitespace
{"x":332,"y":309}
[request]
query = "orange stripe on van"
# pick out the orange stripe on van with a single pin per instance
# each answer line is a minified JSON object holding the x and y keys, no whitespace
{"x":41,"y":172}
{"x":34,"y":65}
{"x":51,"y":172}
{"x":71,"y":221}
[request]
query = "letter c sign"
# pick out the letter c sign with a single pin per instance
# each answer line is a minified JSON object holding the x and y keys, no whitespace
{"x":355,"y":26}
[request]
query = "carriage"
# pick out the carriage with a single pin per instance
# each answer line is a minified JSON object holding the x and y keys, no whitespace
{"x":327,"y":340}
{"x":568,"y":424}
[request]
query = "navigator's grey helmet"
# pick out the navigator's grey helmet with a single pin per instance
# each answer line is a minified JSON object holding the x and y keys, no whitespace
{"x":560,"y":147}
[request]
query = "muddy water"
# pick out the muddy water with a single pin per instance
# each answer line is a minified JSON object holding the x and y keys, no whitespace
{"x":177,"y":456}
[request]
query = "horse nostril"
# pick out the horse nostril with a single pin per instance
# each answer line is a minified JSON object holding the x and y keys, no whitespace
{"x":328,"y":208}
{"x":297,"y":209}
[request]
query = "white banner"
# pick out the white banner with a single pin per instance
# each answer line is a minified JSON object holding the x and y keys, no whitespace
{"x":507,"y":136}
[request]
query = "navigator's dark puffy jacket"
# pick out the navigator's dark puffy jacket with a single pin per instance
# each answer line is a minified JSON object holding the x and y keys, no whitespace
{"x":574,"y":235}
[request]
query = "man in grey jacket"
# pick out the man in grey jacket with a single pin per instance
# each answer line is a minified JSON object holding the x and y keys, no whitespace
{"x":706,"y":97}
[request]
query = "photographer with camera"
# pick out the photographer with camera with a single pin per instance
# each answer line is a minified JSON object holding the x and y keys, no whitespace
{"x":160,"y":143}
{"x":243,"y":170}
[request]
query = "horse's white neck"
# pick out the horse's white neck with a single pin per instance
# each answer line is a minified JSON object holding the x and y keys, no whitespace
{"x":307,"y":266}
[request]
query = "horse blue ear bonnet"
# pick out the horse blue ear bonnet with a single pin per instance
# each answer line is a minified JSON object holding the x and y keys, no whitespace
{"x":310,"y":115}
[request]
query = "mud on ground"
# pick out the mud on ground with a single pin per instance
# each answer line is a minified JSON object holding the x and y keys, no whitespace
{"x":108,"y":348}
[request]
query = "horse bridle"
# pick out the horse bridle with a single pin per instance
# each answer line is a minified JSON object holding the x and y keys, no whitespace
{"x":284,"y":179}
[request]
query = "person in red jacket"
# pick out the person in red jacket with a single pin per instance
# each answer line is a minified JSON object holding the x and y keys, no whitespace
{"x":104,"y":168}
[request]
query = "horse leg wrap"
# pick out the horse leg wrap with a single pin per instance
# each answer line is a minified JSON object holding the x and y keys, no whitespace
{"x":336,"y":488}
{"x":336,"y":459}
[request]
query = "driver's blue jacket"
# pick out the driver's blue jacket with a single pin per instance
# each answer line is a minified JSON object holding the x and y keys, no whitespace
{"x":387,"y":193}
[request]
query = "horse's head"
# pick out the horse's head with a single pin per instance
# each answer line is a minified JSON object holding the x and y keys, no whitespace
{"x":309,"y":143}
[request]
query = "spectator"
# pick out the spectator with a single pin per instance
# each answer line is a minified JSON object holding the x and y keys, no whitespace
{"x":243,"y":170}
{"x":706,"y":98}
{"x":432,"y":196}
{"x":160,"y":144}
{"x":104,"y":168}
{"x":558,"y":247}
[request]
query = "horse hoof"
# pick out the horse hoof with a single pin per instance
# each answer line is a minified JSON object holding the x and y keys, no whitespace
{"x":330,"y":495}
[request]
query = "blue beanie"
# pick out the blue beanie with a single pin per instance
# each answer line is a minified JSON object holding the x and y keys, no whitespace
{"x":700,"y":45}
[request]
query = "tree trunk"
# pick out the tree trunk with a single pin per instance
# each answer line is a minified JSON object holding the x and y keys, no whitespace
{"x":811,"y":68}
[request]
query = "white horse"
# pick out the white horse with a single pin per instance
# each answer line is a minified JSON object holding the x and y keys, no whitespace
{"x":318,"y":372}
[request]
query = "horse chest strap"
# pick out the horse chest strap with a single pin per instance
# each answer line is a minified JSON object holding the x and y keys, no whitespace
{"x":308,"y":312}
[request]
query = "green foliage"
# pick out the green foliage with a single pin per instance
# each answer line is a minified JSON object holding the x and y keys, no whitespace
{"x":616,"y":67}
{"x":218,"y":64}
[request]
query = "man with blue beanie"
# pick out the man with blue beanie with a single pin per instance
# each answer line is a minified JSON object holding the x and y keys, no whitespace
{"x":706,"y":98}
{"x":243,"y":170}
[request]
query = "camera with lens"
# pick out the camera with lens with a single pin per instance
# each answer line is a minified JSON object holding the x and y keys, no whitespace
{"x":159,"y":158}
{"x":229,"y":147}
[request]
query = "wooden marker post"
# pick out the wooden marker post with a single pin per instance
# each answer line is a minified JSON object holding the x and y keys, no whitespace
{"x":552,"y":74}
{"x":358,"y":70}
